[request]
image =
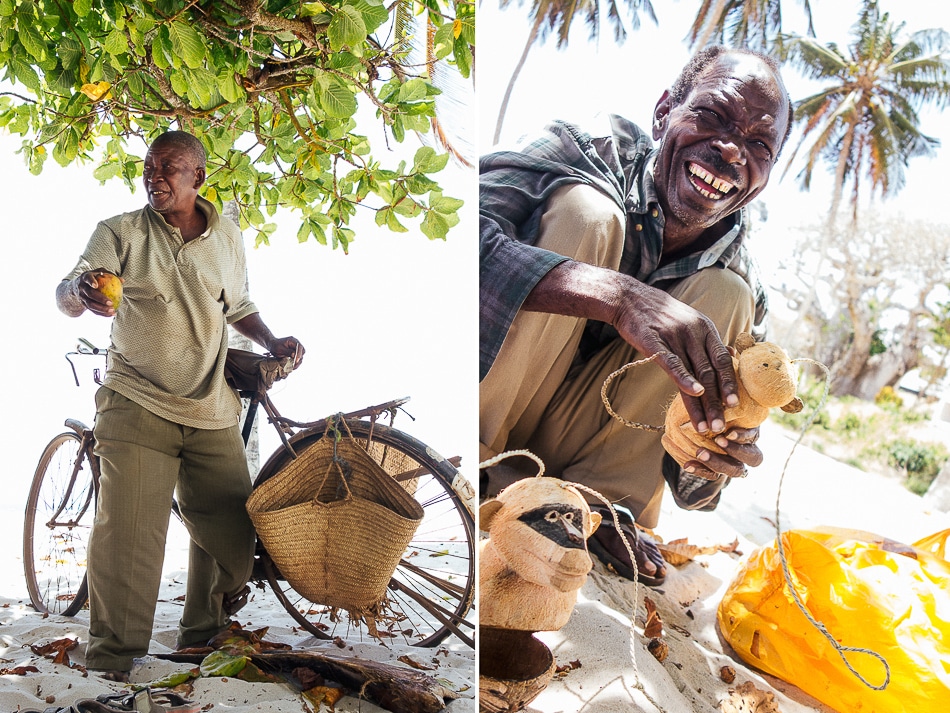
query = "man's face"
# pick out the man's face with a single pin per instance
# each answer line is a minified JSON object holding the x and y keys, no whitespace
{"x":171,"y":179}
{"x":719,"y":145}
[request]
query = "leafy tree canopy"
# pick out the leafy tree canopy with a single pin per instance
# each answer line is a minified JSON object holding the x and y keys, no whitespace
{"x":274,"y":88}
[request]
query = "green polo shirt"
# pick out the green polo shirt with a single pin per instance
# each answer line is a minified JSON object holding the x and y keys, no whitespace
{"x":169,"y":334}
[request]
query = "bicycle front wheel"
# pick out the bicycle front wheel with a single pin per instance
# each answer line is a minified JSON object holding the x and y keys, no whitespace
{"x":56,"y":527}
{"x":430,"y":594}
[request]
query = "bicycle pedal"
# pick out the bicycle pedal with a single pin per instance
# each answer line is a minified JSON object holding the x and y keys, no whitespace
{"x":235,"y":602}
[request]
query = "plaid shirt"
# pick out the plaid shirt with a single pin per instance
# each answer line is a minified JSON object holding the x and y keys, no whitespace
{"x":514,"y":187}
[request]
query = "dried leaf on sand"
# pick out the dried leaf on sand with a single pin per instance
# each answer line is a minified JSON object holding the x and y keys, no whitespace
{"x":654,"y":626}
{"x":746,"y":698}
{"x":57,"y":650}
{"x":679,"y":552}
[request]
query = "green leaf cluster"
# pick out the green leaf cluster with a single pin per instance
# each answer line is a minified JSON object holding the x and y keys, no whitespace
{"x":277,"y":98}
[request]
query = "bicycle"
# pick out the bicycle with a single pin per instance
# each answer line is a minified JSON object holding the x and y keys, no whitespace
{"x":430,"y":595}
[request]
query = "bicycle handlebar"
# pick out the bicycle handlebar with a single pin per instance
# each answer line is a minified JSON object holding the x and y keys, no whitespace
{"x":85,"y":348}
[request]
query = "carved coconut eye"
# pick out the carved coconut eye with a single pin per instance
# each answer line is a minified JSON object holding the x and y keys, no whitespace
{"x":551,"y":516}
{"x":569,"y":516}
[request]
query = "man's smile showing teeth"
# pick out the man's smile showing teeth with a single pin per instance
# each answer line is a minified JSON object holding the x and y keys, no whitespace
{"x":721,"y":185}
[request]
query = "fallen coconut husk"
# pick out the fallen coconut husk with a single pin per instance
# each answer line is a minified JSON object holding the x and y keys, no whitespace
{"x":514,"y":667}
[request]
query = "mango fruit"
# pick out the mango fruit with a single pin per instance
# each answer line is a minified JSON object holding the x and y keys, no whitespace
{"x":110,"y":286}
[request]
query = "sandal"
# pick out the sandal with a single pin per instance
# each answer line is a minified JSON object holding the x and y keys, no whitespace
{"x":638,"y":541}
{"x":144,"y":701}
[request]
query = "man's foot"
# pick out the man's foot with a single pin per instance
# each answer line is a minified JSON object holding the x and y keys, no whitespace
{"x":114,"y":675}
{"x":606,"y":544}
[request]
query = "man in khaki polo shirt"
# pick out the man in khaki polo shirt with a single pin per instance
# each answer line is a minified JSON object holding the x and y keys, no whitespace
{"x":166,"y":420}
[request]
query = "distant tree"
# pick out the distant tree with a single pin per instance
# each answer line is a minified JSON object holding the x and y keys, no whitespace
{"x":880,"y":297}
{"x":557,"y":16}
{"x":276,"y":90}
{"x":864,"y":122}
{"x":741,"y":23}
{"x":936,"y":370}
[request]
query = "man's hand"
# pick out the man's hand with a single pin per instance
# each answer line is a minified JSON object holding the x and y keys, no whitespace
{"x":87,"y":290}
{"x":253,"y":327}
{"x":690,"y":350}
{"x":739,"y":444}
{"x":287,"y":347}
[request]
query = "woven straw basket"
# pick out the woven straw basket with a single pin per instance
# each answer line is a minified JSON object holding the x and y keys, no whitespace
{"x":336,"y":541}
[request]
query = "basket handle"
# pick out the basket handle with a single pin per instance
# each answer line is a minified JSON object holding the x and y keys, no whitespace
{"x":342,"y":465}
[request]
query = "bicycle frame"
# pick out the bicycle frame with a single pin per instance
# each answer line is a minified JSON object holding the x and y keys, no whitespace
{"x":438,"y":592}
{"x":85,"y":446}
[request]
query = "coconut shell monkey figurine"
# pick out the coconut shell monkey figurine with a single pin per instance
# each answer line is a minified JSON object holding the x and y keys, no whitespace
{"x":766,"y":378}
{"x":535,"y":558}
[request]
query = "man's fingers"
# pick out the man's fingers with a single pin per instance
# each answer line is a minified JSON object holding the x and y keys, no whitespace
{"x":739,"y":443}
{"x":739,"y":435}
{"x":725,"y":370}
{"x":709,"y":464}
{"x":299,"y":351}
{"x":681,"y":376}
{"x":714,"y":368}
{"x":700,"y":469}
{"x":697,"y":413}
{"x":747,"y":453}
{"x":737,"y":455}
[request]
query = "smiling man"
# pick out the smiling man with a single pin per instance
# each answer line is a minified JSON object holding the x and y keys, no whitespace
{"x":598,"y":249}
{"x":166,"y":420}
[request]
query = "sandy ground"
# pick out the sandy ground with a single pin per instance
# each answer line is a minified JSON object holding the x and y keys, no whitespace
{"x":817,"y":491}
{"x":58,"y":685}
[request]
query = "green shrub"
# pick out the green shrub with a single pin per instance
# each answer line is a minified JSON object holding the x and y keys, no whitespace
{"x":920,"y":461}
{"x":851,"y":424}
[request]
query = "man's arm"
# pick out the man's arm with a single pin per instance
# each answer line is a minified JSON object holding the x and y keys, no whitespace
{"x":253,"y":327}
{"x":690,"y":349}
{"x":655,"y":323}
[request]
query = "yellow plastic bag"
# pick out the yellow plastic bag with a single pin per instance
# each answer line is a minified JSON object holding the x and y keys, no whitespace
{"x":868,"y":594}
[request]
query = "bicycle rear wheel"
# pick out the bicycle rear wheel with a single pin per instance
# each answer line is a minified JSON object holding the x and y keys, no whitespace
{"x":59,"y":514}
{"x":430,"y":594}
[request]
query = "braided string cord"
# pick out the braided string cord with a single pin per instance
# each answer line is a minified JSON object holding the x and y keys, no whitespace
{"x":606,"y":400}
{"x":783,"y":555}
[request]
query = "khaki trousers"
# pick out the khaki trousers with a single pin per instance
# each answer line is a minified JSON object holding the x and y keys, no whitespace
{"x":145,"y":459}
{"x":535,"y":396}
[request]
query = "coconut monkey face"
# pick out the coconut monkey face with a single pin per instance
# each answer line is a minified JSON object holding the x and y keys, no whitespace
{"x":546,"y":546}
{"x":560,"y":523}
{"x":539,"y":527}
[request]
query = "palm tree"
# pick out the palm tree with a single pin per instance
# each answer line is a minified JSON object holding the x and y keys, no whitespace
{"x":864,"y":121}
{"x":557,"y":16}
{"x":741,"y":23}
{"x":865,"y":126}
